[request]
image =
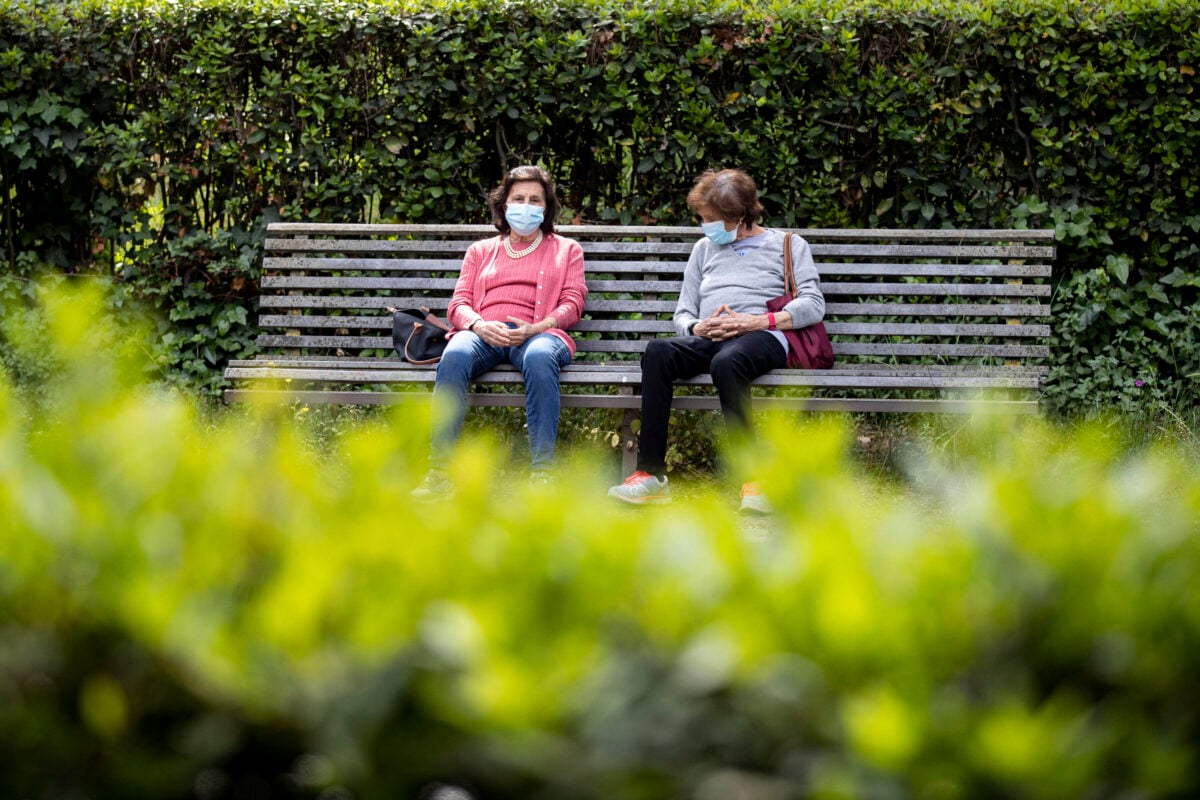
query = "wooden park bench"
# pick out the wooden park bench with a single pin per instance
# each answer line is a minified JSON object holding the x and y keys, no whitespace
{"x":921,"y":320}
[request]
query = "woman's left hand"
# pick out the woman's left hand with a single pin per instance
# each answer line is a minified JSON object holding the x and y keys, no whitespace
{"x":524,"y":331}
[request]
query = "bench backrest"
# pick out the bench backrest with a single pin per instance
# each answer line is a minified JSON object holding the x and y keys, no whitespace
{"x":892,"y":296}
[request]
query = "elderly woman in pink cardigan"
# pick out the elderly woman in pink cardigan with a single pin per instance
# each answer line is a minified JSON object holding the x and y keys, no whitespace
{"x":517,"y":295}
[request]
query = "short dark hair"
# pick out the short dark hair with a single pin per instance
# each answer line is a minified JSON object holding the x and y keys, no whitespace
{"x":730,"y":193}
{"x":499,"y":196}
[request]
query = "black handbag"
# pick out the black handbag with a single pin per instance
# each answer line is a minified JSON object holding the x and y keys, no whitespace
{"x":418,"y":336}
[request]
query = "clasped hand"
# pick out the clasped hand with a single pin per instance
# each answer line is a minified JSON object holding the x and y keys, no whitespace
{"x":501,"y":334}
{"x":725,"y":323}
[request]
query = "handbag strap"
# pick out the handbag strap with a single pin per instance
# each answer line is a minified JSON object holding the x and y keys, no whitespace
{"x":789,"y":273}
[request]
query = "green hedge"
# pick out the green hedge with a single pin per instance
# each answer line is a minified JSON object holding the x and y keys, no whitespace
{"x":211,"y":608}
{"x":154,"y":140}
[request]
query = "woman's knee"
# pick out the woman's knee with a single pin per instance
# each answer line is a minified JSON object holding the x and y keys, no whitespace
{"x":544,"y":359}
{"x":456,"y":365}
{"x":657,"y":352}
{"x":455,"y":361}
{"x":728,"y":362}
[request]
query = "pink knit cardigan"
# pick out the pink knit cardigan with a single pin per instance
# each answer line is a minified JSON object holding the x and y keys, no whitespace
{"x":560,"y":292}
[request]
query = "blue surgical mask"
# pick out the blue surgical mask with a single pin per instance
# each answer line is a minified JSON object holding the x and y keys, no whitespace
{"x":717,"y":233}
{"x":524,"y":217}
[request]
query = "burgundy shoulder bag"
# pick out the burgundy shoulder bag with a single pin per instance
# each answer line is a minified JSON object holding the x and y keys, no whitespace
{"x":808,"y":348}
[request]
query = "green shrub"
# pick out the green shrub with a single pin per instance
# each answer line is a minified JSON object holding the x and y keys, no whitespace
{"x":207,"y":606}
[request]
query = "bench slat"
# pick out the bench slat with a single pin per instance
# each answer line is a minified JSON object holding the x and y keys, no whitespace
{"x":926,"y":329}
{"x":835,"y":268}
{"x":394,"y":363}
{"x":819,"y":249}
{"x":458,"y":247}
{"x":358,"y":284}
{"x":597,"y":267}
{"x":854,"y":404}
{"x":832,"y":311}
{"x":938,"y":350}
{"x":1006,"y":331}
{"x":839,"y":379}
{"x":347,"y":264}
{"x":937,"y":309}
{"x":446,"y":285}
{"x":888,"y":350}
{"x":436,"y":303}
{"x":961,"y":252}
{"x":442,"y":230}
{"x":938,"y":289}
{"x":385,"y":323}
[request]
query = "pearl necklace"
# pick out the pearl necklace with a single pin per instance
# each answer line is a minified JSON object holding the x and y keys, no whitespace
{"x":508,"y":248}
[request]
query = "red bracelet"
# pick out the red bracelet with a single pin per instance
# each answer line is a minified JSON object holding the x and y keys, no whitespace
{"x":770,"y":321}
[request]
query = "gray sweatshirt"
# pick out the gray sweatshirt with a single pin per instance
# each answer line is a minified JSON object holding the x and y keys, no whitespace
{"x":716,"y":275}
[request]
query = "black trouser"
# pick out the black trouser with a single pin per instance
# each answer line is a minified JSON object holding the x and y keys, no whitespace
{"x":732,"y":364}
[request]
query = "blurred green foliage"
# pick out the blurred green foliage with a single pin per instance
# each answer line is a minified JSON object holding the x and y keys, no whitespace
{"x":210,"y":606}
{"x":152,"y":141}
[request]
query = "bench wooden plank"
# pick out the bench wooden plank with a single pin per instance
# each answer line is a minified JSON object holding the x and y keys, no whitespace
{"x":828,"y":404}
{"x":839,"y":379}
{"x":877,"y":329}
{"x":359,"y":284}
{"x":681,"y":249}
{"x":384,"y":321}
{"x":830,"y":269}
{"x":940,"y":350}
{"x":442,"y":230}
{"x":392,"y":362}
{"x":937,"y":289}
{"x":891,"y":350}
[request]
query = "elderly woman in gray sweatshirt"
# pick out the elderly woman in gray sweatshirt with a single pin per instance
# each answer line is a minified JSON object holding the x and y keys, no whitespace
{"x":723,"y":323}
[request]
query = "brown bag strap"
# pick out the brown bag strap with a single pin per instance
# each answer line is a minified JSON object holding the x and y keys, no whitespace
{"x":789,"y":273}
{"x":433,"y":320}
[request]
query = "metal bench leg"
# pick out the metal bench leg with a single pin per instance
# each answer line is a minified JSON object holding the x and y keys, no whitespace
{"x":629,"y":443}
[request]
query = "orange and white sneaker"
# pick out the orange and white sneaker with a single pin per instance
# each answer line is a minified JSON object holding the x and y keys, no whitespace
{"x":642,"y":488}
{"x":753,"y":501}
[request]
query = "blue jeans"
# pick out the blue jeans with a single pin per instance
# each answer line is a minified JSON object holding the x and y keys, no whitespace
{"x":540,"y":359}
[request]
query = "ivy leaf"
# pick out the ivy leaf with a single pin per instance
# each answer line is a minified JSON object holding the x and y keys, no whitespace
{"x":1119,"y":265}
{"x":1178,"y":277}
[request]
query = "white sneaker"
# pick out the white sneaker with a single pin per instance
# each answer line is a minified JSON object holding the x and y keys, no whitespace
{"x":642,"y":488}
{"x":753,"y":501}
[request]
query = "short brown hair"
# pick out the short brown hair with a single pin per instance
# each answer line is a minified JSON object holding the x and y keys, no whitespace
{"x":498,"y":197}
{"x":730,"y":193}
